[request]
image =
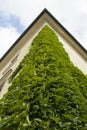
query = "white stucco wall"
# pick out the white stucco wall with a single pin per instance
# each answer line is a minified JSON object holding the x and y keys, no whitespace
{"x":76,"y":58}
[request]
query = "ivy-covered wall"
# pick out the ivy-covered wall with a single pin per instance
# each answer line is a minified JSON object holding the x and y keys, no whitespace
{"x":49,"y":93}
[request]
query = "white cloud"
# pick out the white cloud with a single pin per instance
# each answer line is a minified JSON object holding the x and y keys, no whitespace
{"x":7,"y":37}
{"x":27,"y":10}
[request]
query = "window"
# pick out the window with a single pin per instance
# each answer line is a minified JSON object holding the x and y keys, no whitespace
{"x":12,"y":62}
{"x":14,"y":59}
{"x":4,"y":78}
{"x":1,"y":86}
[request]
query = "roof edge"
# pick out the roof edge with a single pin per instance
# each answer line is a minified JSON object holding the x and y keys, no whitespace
{"x":30,"y":26}
{"x":66,"y":30}
{"x":26,"y":30}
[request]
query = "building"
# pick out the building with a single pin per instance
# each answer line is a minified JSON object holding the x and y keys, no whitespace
{"x":19,"y":49}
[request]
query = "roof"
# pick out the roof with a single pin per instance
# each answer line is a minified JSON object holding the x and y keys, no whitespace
{"x":40,"y":15}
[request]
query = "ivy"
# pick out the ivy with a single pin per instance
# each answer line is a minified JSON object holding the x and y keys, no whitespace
{"x":49,"y":93}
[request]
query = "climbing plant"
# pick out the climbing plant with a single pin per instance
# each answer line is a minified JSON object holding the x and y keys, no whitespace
{"x":48,"y":92}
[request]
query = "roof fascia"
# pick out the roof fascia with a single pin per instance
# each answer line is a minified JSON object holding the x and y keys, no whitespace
{"x":39,"y":16}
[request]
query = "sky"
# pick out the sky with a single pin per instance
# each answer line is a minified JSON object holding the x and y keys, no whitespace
{"x":17,"y":15}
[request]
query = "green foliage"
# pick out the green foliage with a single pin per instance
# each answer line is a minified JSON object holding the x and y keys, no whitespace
{"x":49,"y":93}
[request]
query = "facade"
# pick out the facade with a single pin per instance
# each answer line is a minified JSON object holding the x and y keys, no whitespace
{"x":20,"y":48}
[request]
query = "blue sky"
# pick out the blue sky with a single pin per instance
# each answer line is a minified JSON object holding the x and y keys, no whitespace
{"x":11,"y":20}
{"x":16,"y":16}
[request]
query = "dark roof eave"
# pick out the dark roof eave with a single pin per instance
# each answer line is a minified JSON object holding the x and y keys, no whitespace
{"x":21,"y":36}
{"x":44,"y":11}
{"x":66,"y":30}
